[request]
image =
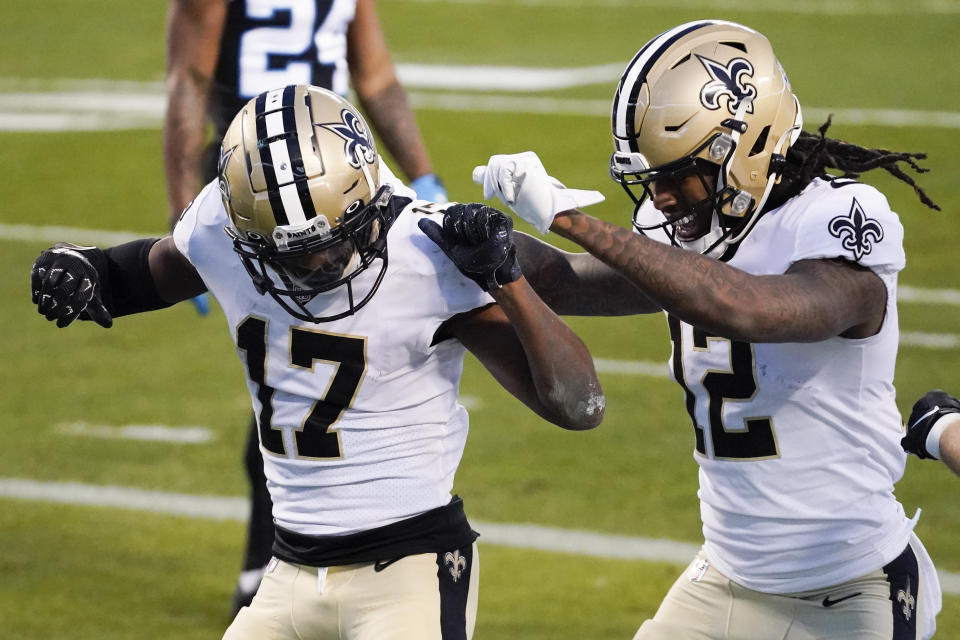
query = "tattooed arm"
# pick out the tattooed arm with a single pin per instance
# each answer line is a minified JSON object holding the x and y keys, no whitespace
{"x":578,"y":284}
{"x":814,"y":300}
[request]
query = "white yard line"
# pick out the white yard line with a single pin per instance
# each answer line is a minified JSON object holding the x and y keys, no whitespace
{"x":102,"y":105}
{"x":601,"y":108}
{"x":928,"y":296}
{"x":491,"y":78}
{"x":631,"y":367}
{"x":929,"y":340}
{"x":521,"y":536}
{"x":149,"y":432}
{"x":51,"y":234}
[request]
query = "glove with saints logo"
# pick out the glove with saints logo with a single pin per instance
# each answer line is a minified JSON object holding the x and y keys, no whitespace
{"x":927,"y":411}
{"x":479,"y":240}
{"x":65,"y":285}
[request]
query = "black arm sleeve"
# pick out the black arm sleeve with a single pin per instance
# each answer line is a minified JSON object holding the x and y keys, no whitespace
{"x":126,"y":285}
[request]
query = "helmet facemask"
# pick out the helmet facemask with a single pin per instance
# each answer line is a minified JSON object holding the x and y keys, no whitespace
{"x":696,"y":224}
{"x":296,"y":265}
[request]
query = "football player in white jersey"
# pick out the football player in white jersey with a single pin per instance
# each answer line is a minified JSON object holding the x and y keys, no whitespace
{"x":351,"y":305}
{"x":221,"y":53}
{"x":779,"y":286}
{"x":933,"y":430}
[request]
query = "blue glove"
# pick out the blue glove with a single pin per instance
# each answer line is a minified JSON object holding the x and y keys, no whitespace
{"x":201,"y":303}
{"x":429,"y":187}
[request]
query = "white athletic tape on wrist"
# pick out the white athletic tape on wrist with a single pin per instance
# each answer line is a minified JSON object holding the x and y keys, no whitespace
{"x":936,"y":431}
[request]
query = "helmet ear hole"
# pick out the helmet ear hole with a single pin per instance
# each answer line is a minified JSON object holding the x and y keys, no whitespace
{"x":735,"y":45}
{"x":761,"y":142}
{"x":681,"y":61}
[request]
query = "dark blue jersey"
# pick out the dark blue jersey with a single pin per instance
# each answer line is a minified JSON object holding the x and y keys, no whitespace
{"x":272,"y":43}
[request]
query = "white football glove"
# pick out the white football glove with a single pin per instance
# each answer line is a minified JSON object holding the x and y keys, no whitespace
{"x":521,"y":182}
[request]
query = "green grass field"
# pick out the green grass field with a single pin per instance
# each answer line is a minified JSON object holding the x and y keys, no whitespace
{"x":71,"y":571}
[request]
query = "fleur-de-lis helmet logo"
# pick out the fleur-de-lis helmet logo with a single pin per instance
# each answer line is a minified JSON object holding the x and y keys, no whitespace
{"x":357,"y":143}
{"x":856,"y":231}
{"x":456,"y":562}
{"x":727,"y":80}
{"x":222,"y":163}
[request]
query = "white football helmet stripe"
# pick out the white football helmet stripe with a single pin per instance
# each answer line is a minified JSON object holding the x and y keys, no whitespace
{"x":635,"y":74}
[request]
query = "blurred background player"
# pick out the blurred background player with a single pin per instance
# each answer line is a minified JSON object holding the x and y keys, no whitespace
{"x":220,"y":53}
{"x":353,"y":368}
{"x":933,"y":430}
{"x":779,"y":284}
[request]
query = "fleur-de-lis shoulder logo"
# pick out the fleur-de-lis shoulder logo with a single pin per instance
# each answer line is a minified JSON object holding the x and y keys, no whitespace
{"x":905,"y":598}
{"x":728,"y":80}
{"x":456,"y":562}
{"x":856,"y":231}
{"x":357,"y":143}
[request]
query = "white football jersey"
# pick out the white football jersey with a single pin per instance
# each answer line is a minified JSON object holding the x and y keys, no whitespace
{"x":359,"y":420}
{"x":799,"y":444}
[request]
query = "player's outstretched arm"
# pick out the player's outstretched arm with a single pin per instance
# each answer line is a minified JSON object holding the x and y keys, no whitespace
{"x":813,"y":300}
{"x":578,"y":284}
{"x":69,"y":281}
{"x":524,"y":344}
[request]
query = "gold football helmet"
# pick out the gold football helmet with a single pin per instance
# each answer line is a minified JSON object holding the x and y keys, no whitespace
{"x":704,"y":97}
{"x":299,"y":176}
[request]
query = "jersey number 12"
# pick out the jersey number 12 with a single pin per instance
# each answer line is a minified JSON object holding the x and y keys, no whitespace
{"x":754,"y":439}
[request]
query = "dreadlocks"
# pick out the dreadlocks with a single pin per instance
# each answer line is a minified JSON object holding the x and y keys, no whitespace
{"x":811,"y":155}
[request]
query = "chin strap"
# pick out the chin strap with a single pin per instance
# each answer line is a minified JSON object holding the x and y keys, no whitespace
{"x":725,"y":145}
{"x":711,"y":244}
{"x":715,"y":242}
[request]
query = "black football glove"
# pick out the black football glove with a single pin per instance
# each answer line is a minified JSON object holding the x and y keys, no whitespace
{"x":65,"y":285}
{"x":927,"y":410}
{"x":479,"y":240}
